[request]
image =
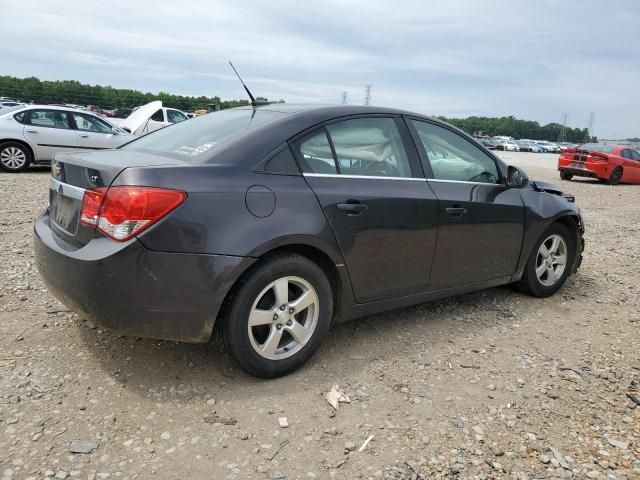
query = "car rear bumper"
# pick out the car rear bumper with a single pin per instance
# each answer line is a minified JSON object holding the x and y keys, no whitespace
{"x":587,"y":169}
{"x":135,"y":291}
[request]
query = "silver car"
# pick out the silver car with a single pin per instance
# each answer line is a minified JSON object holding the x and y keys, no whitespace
{"x":34,"y":133}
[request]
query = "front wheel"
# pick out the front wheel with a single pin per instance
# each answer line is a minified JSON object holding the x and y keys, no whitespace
{"x":277,"y":316}
{"x":564,"y":175}
{"x":550,"y":261}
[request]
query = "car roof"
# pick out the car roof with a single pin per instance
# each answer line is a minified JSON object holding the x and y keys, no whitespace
{"x":331,"y":110}
{"x":299,"y":119}
{"x":54,"y":107}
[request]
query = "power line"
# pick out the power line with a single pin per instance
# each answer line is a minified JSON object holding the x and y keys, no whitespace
{"x":562,"y":137}
{"x":367,"y":94}
{"x":589,"y":132}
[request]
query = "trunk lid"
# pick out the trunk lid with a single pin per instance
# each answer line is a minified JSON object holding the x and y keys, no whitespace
{"x":138,"y":118}
{"x":73,"y":174}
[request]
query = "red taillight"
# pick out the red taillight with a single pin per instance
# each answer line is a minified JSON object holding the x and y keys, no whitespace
{"x":125,"y":211}
{"x":91,"y":206}
{"x":599,"y":158}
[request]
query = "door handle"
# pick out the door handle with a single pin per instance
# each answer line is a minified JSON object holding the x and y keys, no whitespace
{"x":352,"y":208}
{"x":84,"y":135}
{"x":32,"y":131}
{"x":456,"y":212}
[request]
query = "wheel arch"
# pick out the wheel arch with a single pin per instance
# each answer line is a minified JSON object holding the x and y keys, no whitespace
{"x":340,"y":284}
{"x":32,"y":152}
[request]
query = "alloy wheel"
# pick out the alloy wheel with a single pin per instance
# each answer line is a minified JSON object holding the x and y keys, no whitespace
{"x":283,"y":318}
{"x":551,"y":260}
{"x":13,"y":158}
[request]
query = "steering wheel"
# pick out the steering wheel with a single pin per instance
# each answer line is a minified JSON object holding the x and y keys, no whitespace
{"x":484,"y":175}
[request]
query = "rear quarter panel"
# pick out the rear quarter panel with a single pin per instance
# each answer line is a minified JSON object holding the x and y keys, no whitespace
{"x":215,"y":219}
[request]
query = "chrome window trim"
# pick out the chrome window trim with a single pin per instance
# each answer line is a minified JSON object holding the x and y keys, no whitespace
{"x":366,"y":177}
{"x":66,"y":189}
{"x":466,"y":182}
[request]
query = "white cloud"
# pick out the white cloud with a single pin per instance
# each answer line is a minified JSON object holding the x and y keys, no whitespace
{"x":534,"y":60}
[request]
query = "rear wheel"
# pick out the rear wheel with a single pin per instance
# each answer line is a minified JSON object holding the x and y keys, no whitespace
{"x":278,"y":316}
{"x":14,"y":157}
{"x":615,"y":177}
{"x":564,"y":175}
{"x":549,"y":264}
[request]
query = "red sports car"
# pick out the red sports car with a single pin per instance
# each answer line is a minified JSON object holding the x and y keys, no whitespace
{"x":613,"y":164}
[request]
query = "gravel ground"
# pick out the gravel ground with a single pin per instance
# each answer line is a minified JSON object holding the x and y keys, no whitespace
{"x":492,"y":384}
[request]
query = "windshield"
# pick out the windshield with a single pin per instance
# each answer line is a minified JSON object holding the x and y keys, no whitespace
{"x":597,"y":147}
{"x":191,"y":139}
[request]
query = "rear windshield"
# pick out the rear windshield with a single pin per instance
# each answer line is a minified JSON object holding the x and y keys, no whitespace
{"x":192,"y":139}
{"x":597,"y":147}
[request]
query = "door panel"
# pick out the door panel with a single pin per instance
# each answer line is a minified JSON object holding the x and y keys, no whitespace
{"x":50,"y":131}
{"x":94,"y":133}
{"x":364,"y":173}
{"x":479,"y":234}
{"x":387,"y":238}
{"x":480,"y":220}
{"x":630,"y":166}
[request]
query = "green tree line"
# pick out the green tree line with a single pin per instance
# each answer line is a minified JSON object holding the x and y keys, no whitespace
{"x":32,"y":89}
{"x":516,"y":128}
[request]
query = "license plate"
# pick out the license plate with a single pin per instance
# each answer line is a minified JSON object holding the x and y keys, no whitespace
{"x":62,"y":212}
{"x":579,"y":165}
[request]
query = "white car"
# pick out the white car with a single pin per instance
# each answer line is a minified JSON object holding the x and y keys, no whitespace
{"x":9,"y":103}
{"x":150,"y":117}
{"x":33,"y":134}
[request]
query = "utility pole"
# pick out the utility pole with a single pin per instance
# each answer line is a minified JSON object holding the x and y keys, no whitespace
{"x":367,"y":94}
{"x":589,"y":134}
{"x":345,"y":94}
{"x":563,"y":131}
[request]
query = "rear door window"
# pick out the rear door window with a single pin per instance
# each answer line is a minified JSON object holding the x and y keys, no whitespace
{"x":49,"y":119}
{"x":369,"y":147}
{"x":158,"y":116}
{"x":316,"y":154}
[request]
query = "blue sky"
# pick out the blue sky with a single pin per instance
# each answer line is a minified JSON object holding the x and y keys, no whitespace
{"x":531,"y":59}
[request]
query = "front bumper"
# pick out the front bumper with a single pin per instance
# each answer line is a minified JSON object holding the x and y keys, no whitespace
{"x":135,"y":291}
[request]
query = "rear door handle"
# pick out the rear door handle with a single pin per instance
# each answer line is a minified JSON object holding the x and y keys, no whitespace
{"x":352,"y":208}
{"x":84,"y":135}
{"x":456,"y":211}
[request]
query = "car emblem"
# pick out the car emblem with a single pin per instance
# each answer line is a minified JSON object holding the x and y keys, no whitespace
{"x":56,"y":170}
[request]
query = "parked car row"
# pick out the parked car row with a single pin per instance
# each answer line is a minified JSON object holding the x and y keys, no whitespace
{"x":524,"y":145}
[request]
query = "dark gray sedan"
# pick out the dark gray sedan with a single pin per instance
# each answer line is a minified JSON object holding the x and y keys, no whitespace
{"x":271,"y":223}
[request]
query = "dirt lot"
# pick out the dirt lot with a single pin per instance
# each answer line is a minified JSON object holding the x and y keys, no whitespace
{"x":488,"y":385}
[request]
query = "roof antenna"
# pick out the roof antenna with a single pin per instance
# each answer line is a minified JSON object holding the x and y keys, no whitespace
{"x":254,"y":102}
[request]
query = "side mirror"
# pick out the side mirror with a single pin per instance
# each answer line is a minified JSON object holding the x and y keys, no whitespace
{"x":516,"y":177}
{"x":115,"y":130}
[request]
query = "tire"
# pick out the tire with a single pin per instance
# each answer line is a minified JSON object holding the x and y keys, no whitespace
{"x":543,"y":285}
{"x":14,"y":157}
{"x":564,"y":175}
{"x":615,"y":177}
{"x":296,"y":334}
